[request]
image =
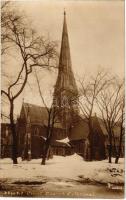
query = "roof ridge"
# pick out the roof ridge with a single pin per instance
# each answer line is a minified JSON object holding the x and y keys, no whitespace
{"x":33,"y":105}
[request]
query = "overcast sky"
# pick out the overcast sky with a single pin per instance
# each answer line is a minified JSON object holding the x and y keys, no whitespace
{"x":96,"y":34}
{"x":96,"y":30}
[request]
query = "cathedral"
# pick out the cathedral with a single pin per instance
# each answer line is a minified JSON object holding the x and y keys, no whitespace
{"x":70,"y":129}
{"x":33,"y":121}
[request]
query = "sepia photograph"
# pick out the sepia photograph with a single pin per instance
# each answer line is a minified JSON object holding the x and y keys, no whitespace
{"x":62,"y":99}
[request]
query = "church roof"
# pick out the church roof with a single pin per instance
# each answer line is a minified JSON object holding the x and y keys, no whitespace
{"x":81,"y":129}
{"x":37,"y":115}
{"x":104,"y":131}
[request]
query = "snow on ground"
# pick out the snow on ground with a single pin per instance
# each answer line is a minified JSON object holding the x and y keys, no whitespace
{"x":71,"y":167}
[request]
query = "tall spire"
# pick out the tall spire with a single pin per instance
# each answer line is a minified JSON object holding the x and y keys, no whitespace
{"x":65,"y":78}
{"x":65,"y":88}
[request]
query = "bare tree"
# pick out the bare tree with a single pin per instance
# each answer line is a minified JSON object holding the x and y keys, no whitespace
{"x":33,"y":51}
{"x":5,"y":12}
{"x":88,"y":93}
{"x":111,"y":108}
{"x":120,"y":124}
{"x":52,"y":119}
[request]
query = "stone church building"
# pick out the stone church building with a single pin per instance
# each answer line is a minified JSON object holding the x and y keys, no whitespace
{"x":70,"y":132}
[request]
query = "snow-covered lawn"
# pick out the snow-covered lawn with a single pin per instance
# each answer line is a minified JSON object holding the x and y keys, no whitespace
{"x":70,"y":167}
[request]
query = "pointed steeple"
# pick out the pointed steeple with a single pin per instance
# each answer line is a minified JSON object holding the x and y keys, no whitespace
{"x":65,"y":92}
{"x":65,"y":78}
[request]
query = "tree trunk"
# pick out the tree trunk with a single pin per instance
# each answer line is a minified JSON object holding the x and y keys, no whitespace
{"x":110,"y":154}
{"x":117,"y":159}
{"x":90,"y":141}
{"x":49,"y":134}
{"x":14,"y":136}
{"x":120,"y":147}
{"x":114,"y":143}
{"x":110,"y":148}
{"x":47,"y":141}
{"x":47,"y":145}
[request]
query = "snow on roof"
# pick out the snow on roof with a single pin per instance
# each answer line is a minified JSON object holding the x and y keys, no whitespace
{"x":66,"y":140}
{"x":43,"y":137}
